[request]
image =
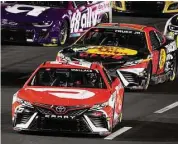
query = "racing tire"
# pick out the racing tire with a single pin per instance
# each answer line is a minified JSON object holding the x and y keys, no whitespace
{"x":105,"y":18}
{"x":64,"y":33}
{"x":173,"y":74}
{"x":148,"y":77}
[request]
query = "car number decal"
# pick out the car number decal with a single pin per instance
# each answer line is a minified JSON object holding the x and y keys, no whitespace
{"x":162,"y":58}
{"x":80,"y":20}
{"x":34,"y":11}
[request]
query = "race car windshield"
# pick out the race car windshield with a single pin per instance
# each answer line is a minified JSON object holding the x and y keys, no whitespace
{"x":61,"y":4}
{"x":82,"y":78}
{"x":115,"y":37}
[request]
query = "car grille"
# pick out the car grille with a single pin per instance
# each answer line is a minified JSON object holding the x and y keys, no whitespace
{"x":130,"y":77}
{"x":43,"y":34}
{"x":145,"y":6}
{"x":16,"y":35}
{"x":70,"y":111}
{"x":13,"y":35}
{"x":77,"y":112}
{"x":99,"y":122}
{"x":65,"y":125}
{"x":30,"y":34}
{"x":24,"y":24}
{"x":54,"y":124}
{"x":23,"y":118}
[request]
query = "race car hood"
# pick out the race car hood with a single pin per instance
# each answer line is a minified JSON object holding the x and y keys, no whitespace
{"x":30,"y":13}
{"x":64,"y":96}
{"x":108,"y":55}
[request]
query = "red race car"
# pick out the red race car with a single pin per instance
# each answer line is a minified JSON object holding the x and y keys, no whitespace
{"x":69,"y":97}
{"x":140,"y":53}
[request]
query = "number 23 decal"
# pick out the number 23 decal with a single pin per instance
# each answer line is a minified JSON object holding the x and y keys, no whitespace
{"x":34,"y":11}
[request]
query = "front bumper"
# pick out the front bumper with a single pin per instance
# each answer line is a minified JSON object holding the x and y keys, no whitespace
{"x":78,"y":121}
{"x":29,"y":34}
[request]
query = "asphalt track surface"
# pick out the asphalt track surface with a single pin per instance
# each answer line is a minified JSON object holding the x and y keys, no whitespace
{"x":139,"y":107}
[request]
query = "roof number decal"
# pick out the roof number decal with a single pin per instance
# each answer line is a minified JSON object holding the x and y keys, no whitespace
{"x":35,"y":10}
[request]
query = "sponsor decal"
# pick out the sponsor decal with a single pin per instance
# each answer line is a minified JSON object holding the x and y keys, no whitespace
{"x":60,"y":116}
{"x":30,"y":9}
{"x":79,"y":49}
{"x":81,"y":20}
{"x":86,"y":17}
{"x":82,"y":70}
{"x":128,"y":31}
{"x":123,"y":31}
{"x":104,"y":6}
{"x":162,"y":58}
{"x":116,"y":51}
{"x":61,"y":109}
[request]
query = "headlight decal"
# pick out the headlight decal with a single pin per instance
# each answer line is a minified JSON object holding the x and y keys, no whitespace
{"x":14,"y":99}
{"x":24,"y":102}
{"x":43,"y":24}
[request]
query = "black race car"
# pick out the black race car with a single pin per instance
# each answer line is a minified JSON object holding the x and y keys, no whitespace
{"x":140,"y":54}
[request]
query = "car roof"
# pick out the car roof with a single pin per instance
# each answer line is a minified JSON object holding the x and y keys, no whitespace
{"x":122,"y":26}
{"x":71,"y":64}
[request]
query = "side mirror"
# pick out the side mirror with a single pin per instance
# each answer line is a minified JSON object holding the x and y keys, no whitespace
{"x":122,"y":78}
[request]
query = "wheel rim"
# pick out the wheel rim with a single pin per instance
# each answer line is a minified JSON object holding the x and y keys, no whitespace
{"x":173,"y":75}
{"x":63,"y":34}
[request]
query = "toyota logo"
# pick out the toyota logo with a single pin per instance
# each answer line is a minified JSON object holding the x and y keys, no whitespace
{"x":60,"y":109}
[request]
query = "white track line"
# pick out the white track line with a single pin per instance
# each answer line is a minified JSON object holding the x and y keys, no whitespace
{"x":167,"y":108}
{"x":118,"y":132}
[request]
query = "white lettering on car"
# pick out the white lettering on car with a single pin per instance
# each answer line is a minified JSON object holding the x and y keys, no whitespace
{"x":35,"y":11}
{"x":60,"y":116}
{"x":82,"y":70}
{"x":80,"y":21}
